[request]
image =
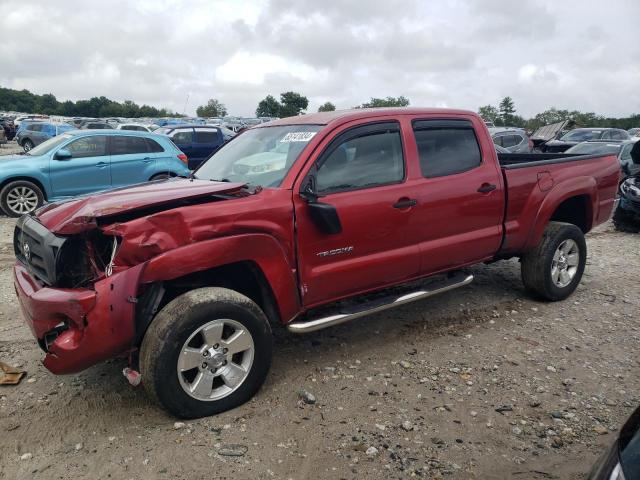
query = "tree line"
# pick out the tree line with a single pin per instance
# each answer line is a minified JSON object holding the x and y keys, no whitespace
{"x":48,"y":104}
{"x":504,"y":114}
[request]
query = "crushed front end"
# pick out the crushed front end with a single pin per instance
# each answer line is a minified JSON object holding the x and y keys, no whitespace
{"x":78,"y":307}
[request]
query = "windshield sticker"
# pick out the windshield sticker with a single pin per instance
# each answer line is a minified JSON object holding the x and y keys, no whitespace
{"x":297,"y":137}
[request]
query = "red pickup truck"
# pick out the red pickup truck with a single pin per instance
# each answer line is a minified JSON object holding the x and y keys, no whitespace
{"x":307,"y":222}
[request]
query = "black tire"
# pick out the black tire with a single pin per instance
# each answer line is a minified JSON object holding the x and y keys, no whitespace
{"x":536,"y":265}
{"x":625,"y":221}
{"x":175,"y":324}
{"x":31,"y":189}
{"x":160,"y":176}
{"x":27,"y":145}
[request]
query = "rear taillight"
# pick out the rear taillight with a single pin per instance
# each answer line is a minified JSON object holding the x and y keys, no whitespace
{"x":183,"y":158}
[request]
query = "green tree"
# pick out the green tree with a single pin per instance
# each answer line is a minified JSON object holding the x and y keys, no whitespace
{"x":507,"y":109}
{"x":489,"y":113}
{"x":327,"y":107}
{"x":213,"y":108}
{"x":401,"y":101}
{"x":292,"y":104}
{"x":268,"y":107}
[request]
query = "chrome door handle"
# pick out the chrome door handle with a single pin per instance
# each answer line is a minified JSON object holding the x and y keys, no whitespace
{"x":102,"y":164}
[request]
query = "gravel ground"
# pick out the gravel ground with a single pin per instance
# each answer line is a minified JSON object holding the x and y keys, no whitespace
{"x":10,"y":148}
{"x":482,"y":382}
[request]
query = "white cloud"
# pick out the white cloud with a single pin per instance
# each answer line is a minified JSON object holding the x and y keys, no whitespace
{"x":575,"y":54}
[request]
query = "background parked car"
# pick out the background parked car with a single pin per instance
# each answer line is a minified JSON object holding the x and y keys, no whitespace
{"x":621,"y":149}
{"x":136,"y":127}
{"x":8,"y":127}
{"x":578,"y":135}
{"x":514,"y":140}
{"x":81,"y":162}
{"x":34,"y":133}
{"x":634,"y":132}
{"x":198,"y":142}
{"x":95,"y":125}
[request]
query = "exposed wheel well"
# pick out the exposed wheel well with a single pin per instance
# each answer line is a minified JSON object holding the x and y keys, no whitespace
{"x":243,"y":277}
{"x":26,"y":179}
{"x":575,"y":210}
{"x":159,"y":174}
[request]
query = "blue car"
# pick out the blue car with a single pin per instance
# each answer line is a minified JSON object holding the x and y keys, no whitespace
{"x":85,"y":161}
{"x":31,"y":134}
{"x":198,"y":142}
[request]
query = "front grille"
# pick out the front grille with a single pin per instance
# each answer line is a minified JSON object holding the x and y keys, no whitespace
{"x":37,"y":249}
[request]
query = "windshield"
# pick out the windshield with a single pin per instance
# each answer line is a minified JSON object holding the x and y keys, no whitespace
{"x":595,"y":148}
{"x":260,"y":156}
{"x":49,"y":145}
{"x":582,"y":135}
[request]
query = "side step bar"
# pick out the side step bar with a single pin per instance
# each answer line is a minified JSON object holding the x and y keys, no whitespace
{"x":346,"y":314}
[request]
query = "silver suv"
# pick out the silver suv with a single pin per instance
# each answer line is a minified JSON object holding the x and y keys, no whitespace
{"x":514,"y":140}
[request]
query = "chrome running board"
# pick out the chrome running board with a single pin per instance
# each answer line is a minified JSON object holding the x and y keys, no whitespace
{"x":346,"y":314}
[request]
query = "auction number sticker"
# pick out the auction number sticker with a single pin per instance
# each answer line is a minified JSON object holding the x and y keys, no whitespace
{"x":297,"y":137}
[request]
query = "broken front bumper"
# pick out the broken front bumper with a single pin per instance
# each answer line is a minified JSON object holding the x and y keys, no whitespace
{"x":78,"y":328}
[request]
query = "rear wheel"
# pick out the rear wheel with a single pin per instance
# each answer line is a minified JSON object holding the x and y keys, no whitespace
{"x":20,"y":197}
{"x":207,"y":351}
{"x":624,"y":221}
{"x":160,"y":176}
{"x":27,"y":145}
{"x":553,"y":269}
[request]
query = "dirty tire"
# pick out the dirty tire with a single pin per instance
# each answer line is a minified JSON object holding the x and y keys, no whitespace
{"x":536,"y":264}
{"x":171,"y":328}
{"x":8,"y":198}
{"x":27,"y":145}
{"x":624,"y":221}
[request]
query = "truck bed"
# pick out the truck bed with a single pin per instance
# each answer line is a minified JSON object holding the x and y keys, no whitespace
{"x":521,"y":160}
{"x":535,"y":182}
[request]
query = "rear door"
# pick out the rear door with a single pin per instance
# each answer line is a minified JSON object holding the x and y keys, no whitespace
{"x":460,"y":204}
{"x":131,"y":160}
{"x":361,"y":174}
{"x":206,"y":141}
{"x":86,"y":171}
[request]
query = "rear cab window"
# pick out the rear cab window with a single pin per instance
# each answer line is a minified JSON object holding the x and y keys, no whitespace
{"x":446,"y":147}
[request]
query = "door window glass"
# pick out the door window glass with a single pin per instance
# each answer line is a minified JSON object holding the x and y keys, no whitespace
{"x":182,"y":137}
{"x":95,"y":146}
{"x":366,"y":161}
{"x":125,"y":145}
{"x":153,"y":146}
{"x":447,"y":150}
{"x":206,"y":136}
{"x":511,"y":140}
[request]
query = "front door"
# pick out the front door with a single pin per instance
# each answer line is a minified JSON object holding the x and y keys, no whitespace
{"x":361,"y":174}
{"x":86,"y":171}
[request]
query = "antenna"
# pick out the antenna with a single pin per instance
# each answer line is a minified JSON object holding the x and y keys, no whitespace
{"x":184,"y":110}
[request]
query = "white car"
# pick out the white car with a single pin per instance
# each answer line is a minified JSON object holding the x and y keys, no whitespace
{"x":138,"y":127}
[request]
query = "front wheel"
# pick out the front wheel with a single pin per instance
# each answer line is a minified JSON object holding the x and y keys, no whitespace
{"x":207,"y":351}
{"x":553,"y":269}
{"x":20,"y":197}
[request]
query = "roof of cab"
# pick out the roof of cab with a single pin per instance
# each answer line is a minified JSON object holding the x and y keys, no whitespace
{"x":325,"y":118}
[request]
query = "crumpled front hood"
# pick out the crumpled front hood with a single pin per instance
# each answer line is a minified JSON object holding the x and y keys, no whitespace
{"x":81,"y":214}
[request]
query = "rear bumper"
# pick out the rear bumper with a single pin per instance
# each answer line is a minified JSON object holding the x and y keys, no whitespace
{"x":78,"y":328}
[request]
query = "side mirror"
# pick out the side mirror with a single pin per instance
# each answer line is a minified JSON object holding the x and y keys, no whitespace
{"x":63,"y":154}
{"x":324,"y":215}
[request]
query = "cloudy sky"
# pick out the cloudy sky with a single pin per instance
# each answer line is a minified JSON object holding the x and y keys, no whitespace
{"x":575,"y":54}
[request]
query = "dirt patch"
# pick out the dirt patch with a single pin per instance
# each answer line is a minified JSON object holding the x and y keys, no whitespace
{"x":482,"y":382}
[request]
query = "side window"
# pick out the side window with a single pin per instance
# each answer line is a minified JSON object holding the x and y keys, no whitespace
{"x":125,"y":145}
{"x":182,"y":136}
{"x":206,"y":136}
{"x":153,"y":146}
{"x":372,"y":159}
{"x":34,"y":127}
{"x":606,"y":135}
{"x":498,"y":140}
{"x":446,"y":147}
{"x":617,"y":135}
{"x":95,"y":146}
{"x":625,"y":154}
